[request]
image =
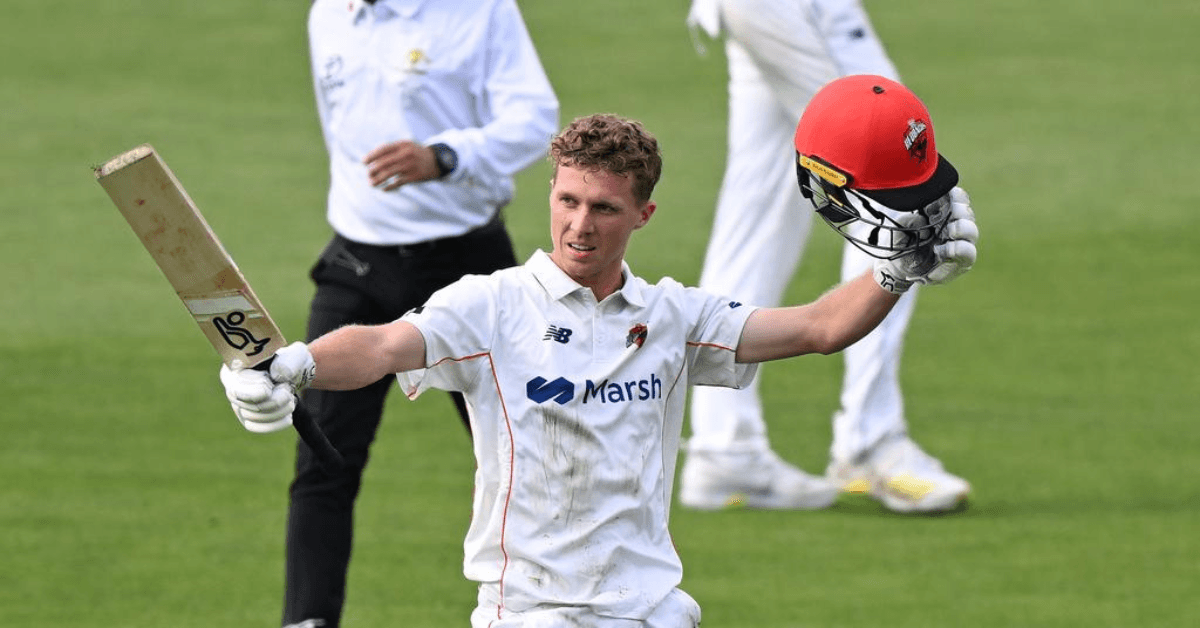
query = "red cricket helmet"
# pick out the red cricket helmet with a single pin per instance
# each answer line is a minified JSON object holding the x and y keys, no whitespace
{"x":865,"y":149}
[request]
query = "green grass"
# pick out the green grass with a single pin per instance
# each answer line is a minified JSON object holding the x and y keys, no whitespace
{"x":1058,"y":376}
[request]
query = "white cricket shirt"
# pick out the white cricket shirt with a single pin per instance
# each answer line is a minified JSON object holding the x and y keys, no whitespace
{"x":576,"y":408}
{"x":464,"y":73}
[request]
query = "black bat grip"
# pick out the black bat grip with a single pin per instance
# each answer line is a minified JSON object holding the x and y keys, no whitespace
{"x":306,"y":426}
{"x":327,"y":455}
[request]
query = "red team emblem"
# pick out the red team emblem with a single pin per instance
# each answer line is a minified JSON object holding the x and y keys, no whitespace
{"x":915,"y":139}
{"x":637,"y":335}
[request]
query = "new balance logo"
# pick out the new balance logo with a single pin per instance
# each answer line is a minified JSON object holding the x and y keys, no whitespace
{"x":733,"y":305}
{"x":558,"y":334}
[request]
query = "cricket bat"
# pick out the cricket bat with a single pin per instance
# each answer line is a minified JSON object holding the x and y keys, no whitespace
{"x":203,"y":274}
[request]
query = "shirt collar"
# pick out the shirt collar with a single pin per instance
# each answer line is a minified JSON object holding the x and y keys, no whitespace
{"x":357,"y":9}
{"x":559,"y":285}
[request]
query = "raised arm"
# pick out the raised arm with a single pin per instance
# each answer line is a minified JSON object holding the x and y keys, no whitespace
{"x":836,"y":320}
{"x":850,"y":311}
{"x":345,"y":359}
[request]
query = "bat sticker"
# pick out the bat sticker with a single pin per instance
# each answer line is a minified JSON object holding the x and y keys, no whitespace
{"x":237,"y":336}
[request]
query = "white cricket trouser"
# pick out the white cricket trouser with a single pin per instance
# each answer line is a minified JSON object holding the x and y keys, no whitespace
{"x":678,"y":610}
{"x":780,"y":53}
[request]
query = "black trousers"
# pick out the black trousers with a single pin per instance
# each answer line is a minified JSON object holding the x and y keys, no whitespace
{"x":358,"y":283}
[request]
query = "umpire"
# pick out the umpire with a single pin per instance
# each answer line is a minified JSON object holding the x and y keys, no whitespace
{"x":427,"y":109}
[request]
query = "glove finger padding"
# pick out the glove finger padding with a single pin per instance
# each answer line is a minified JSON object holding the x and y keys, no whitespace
{"x":962,"y":229}
{"x":959,"y":197}
{"x":271,"y":415}
{"x":266,"y":428}
{"x":259,"y":403}
{"x":245,"y":384}
{"x":955,"y":251}
{"x":275,"y":406}
{"x":962,"y":218}
{"x":958,"y":256}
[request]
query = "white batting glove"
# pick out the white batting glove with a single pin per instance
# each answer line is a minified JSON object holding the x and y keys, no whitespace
{"x":955,"y":251}
{"x":951,"y":255}
{"x":294,"y":364}
{"x":261,"y":404}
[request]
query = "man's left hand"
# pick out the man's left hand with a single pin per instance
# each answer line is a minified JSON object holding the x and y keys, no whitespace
{"x":399,"y":163}
{"x":953,"y":253}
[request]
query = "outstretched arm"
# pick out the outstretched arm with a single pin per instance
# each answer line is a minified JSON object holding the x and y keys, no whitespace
{"x":344,"y":359}
{"x":358,"y":355}
{"x":836,"y":320}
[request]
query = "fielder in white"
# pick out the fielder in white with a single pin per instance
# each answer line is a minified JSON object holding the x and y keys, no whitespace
{"x":780,"y":52}
{"x":575,"y":371}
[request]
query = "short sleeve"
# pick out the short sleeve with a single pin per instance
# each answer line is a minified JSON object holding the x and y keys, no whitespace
{"x":458,"y":324}
{"x":714,"y":338}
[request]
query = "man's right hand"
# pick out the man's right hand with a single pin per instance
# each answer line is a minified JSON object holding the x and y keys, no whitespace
{"x":260,"y":403}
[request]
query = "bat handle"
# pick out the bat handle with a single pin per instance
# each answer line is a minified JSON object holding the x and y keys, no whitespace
{"x":306,"y":426}
{"x":327,"y":455}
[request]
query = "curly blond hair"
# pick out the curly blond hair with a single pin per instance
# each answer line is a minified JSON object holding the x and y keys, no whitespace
{"x":613,"y":144}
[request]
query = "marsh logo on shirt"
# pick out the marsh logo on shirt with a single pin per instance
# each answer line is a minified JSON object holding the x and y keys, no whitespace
{"x":562,"y":390}
{"x":620,"y":392}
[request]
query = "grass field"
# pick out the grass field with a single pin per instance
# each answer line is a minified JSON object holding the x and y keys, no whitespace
{"x":1059,"y":376}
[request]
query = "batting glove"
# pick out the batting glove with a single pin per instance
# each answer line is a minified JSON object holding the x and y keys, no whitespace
{"x":261,"y":404}
{"x":955,"y":251}
{"x":294,"y":364}
{"x":951,"y":255}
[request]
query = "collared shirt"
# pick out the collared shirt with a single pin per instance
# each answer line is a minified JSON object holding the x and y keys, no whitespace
{"x":464,"y":73}
{"x":576,"y":411}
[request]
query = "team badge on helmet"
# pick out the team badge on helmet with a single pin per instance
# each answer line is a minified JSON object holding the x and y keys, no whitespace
{"x":915,"y":140}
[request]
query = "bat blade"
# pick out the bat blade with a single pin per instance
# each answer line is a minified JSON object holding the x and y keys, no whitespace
{"x":186,"y":249}
{"x":204,"y":275}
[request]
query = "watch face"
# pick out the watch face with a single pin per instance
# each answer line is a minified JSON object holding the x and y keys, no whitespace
{"x":447,"y":159}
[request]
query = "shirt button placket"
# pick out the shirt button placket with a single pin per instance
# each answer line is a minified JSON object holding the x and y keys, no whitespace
{"x":598,"y":335}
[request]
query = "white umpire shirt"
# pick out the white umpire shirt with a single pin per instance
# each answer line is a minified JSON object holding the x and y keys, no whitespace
{"x":576,"y":408}
{"x":464,"y":73}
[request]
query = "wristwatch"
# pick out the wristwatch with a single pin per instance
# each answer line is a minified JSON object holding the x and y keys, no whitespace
{"x":447,"y":159}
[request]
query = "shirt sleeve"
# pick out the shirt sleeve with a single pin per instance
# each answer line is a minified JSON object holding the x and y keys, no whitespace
{"x":713,"y":341}
{"x":519,"y":100}
{"x":458,"y":324}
